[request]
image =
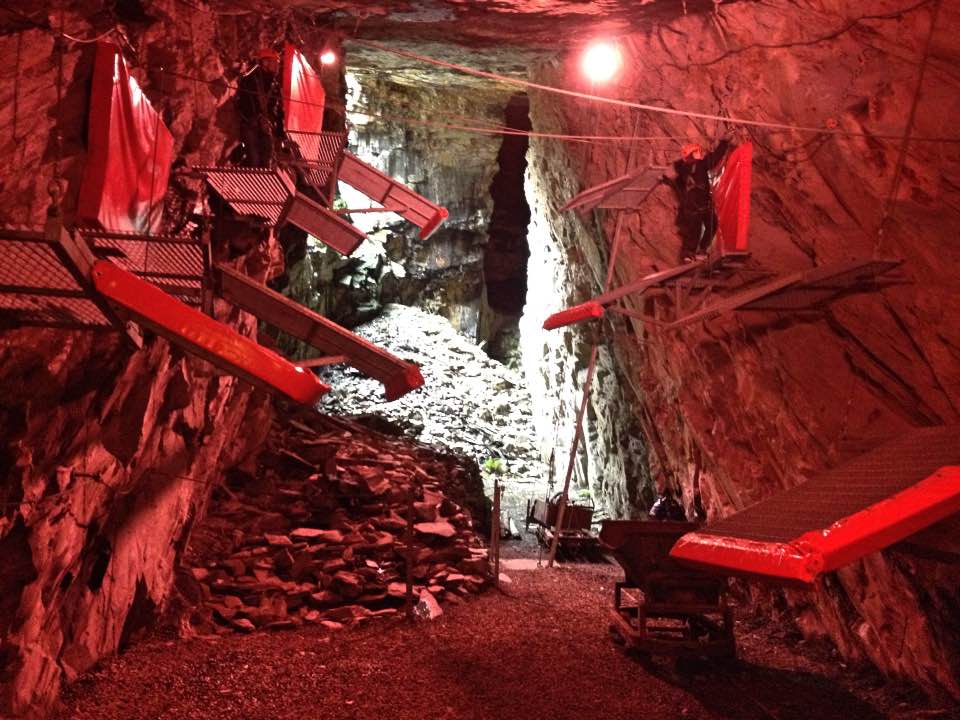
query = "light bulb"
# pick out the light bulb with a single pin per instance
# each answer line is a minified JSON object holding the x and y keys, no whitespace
{"x":601,"y":61}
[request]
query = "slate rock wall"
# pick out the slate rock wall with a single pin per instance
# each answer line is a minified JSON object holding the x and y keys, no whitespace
{"x":107,"y":453}
{"x":751,"y":403}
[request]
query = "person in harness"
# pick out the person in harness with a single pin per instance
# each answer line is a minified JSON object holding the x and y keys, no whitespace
{"x":258,"y":103}
{"x":696,"y":216}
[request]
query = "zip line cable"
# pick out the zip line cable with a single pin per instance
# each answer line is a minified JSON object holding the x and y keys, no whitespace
{"x":490,"y":128}
{"x":636,"y":105}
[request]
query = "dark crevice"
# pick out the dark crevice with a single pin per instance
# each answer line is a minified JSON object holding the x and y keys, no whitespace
{"x":507,"y":252}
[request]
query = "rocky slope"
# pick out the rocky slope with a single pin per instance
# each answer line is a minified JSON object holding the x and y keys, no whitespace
{"x":469,"y":404}
{"x":323,"y":527}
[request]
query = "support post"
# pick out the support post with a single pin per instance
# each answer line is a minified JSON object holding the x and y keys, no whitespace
{"x":495,"y":533}
{"x":578,"y":432}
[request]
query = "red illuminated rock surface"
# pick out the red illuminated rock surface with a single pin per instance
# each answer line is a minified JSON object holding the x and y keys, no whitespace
{"x":747,"y":404}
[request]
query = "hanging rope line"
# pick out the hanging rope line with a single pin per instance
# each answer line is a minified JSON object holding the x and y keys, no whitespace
{"x":98,"y":38}
{"x":636,"y":105}
{"x":481,"y":126}
{"x":484,"y":127}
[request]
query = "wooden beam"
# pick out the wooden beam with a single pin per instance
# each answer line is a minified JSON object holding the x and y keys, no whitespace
{"x":42,"y":291}
{"x":322,"y":361}
{"x":657,"y":278}
{"x":397,"y":376}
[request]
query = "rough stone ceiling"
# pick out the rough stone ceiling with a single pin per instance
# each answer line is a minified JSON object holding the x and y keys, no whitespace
{"x":501,"y":36}
{"x":541,"y":24}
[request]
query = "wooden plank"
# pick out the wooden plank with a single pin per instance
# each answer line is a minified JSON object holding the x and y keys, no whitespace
{"x":44,"y":292}
{"x":397,"y":376}
{"x":322,"y":361}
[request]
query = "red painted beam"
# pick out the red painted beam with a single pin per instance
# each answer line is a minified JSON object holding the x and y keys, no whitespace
{"x":398,"y":376}
{"x":434,"y":222}
{"x":585,"y":311}
{"x":394,"y":196}
{"x":205,"y":337}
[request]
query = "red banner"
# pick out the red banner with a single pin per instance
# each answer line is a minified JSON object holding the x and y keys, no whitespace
{"x":128,"y":155}
{"x":303,"y":94}
{"x":731,"y":197}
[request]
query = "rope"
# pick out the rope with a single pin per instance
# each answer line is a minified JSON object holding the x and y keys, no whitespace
{"x":98,"y":38}
{"x":638,"y":106}
{"x":901,"y":158}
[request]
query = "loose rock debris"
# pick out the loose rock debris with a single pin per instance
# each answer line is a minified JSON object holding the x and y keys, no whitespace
{"x":317,"y":532}
{"x":471,"y":404}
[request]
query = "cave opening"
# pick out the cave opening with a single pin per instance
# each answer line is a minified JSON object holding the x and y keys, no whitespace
{"x":507,"y":252}
{"x":451,"y":303}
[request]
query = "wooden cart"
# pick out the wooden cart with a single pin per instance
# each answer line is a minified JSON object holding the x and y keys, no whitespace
{"x":662,"y":608}
{"x":575,"y":536}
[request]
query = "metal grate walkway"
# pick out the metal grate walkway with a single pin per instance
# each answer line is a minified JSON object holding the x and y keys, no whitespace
{"x":177,"y":265}
{"x":320,"y":153}
{"x":38,"y":289}
{"x":839,"y":515}
{"x":258,"y":192}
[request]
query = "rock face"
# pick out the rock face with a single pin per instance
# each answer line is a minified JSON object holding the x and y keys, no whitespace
{"x":399,"y":128}
{"x":732,"y":411}
{"x":107,"y":453}
{"x":751,"y":403}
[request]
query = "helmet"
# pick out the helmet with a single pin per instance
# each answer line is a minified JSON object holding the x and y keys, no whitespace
{"x":691,"y":151}
{"x":268,"y":53}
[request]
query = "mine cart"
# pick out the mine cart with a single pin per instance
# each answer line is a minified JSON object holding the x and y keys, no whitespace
{"x":662,"y":608}
{"x":575,"y":536}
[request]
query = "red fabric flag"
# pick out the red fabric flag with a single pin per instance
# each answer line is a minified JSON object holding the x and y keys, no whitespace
{"x":129,"y":152}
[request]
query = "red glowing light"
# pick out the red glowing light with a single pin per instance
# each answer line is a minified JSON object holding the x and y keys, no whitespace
{"x":601,"y":61}
{"x":329,"y":57}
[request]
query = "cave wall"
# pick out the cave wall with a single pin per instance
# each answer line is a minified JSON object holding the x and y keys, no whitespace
{"x":567,"y":265}
{"x":107,"y":452}
{"x":403,"y":135}
{"x":749,"y":404}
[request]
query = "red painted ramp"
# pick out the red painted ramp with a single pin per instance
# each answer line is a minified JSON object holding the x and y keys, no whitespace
{"x":398,"y":376}
{"x":205,"y":337}
{"x":838,"y":516}
{"x":394,"y":196}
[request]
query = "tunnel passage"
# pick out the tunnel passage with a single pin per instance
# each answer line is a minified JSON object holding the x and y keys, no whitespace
{"x":507,"y":252}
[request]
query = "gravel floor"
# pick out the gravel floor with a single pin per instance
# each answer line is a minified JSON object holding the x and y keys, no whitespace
{"x":539,"y":649}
